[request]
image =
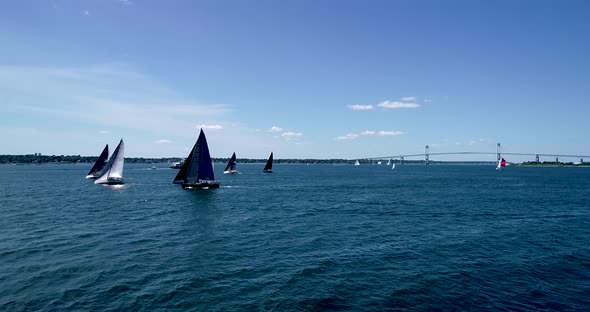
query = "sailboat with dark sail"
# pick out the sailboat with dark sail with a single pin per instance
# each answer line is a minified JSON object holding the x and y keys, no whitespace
{"x":268,"y":166}
{"x":197,"y":171}
{"x":99,"y":165}
{"x":112,"y":174}
{"x":232,"y":165}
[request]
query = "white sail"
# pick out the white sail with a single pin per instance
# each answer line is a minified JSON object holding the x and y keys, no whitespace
{"x":356,"y":163}
{"x":113,"y":172}
{"x":393,"y":167}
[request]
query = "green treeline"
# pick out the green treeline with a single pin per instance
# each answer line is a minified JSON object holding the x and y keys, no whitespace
{"x":42,"y":159}
{"x":553,"y":163}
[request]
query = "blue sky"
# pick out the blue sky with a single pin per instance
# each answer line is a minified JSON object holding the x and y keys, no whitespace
{"x":304,"y":79}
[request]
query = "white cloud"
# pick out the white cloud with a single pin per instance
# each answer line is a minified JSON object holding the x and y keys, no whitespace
{"x":163,"y":141}
{"x":210,"y":127}
{"x":125,"y":2}
{"x":352,"y":136}
{"x":103,"y":132}
{"x":409,"y":99}
{"x":361,"y":107}
{"x":427,"y":100}
{"x":86,"y":12}
{"x":275,"y":129}
{"x":397,"y":104}
{"x":291,"y":135}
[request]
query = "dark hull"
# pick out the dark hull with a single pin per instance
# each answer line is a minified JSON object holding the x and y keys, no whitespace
{"x":267,"y":171}
{"x":113,"y":183}
{"x":199,"y":186}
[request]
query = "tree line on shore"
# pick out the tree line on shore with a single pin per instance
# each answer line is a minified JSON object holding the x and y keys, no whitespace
{"x":553,"y":163}
{"x":42,"y":159}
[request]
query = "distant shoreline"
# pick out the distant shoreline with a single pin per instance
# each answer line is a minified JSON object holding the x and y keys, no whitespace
{"x":74,"y":159}
{"x":553,"y":164}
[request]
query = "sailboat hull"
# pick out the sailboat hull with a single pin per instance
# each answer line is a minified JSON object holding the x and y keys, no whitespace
{"x":230,"y":172}
{"x":267,"y":171}
{"x":200,"y":186}
{"x":111,"y":181}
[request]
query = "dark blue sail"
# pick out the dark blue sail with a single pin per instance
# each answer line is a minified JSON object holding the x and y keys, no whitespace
{"x":99,"y":165}
{"x":268,"y":166}
{"x":197,"y":171}
{"x":205,"y":171}
{"x":232,"y":165}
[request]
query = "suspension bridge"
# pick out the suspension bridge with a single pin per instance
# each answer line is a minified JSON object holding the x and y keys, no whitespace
{"x":498,"y":153}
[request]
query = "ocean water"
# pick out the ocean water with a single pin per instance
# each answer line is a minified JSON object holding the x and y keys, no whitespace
{"x":304,"y":238}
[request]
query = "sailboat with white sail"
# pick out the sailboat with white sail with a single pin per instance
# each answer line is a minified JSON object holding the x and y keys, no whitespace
{"x":197,"y":171}
{"x":99,"y":165}
{"x":501,"y":164}
{"x":268,"y":166}
{"x":232,"y":165}
{"x":393,"y":167}
{"x":357,"y":163}
{"x":112,"y":173}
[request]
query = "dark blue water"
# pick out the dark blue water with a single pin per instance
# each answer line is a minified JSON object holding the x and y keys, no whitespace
{"x":303,"y":238}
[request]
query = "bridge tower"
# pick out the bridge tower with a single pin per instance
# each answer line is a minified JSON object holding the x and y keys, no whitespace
{"x":426,"y":155}
{"x":581,"y":160}
{"x":556,"y":159}
{"x":401,"y":160}
{"x":537,"y":158}
{"x":498,"y":151}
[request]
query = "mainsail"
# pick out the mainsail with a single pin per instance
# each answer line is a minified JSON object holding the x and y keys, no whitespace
{"x":268,"y":166}
{"x":232,"y":165}
{"x":99,"y":165}
{"x":197,"y":171}
{"x":113,"y":171}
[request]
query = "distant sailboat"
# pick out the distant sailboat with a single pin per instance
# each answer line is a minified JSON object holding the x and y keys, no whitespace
{"x":177,"y":165}
{"x":393,"y":167}
{"x":501,"y":164}
{"x":99,"y":165}
{"x":112,"y":173}
{"x":357,"y":163}
{"x":389,"y":162}
{"x":268,"y":166}
{"x":197,"y":171}
{"x":232,"y":165}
